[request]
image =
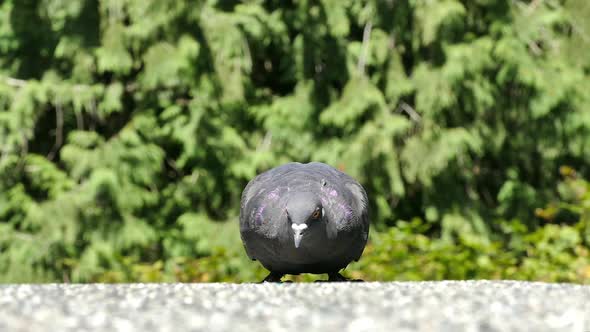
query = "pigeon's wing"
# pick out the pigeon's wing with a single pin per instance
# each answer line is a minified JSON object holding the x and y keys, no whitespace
{"x":354,"y":225}
{"x":261,"y":209}
{"x":346,"y":205}
{"x":348,"y":208}
{"x":262,"y":199}
{"x":345,"y":200}
{"x":264,"y":181}
{"x":360,"y":204}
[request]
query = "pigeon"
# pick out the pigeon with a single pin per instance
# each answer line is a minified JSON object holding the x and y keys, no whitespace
{"x":304,"y":218}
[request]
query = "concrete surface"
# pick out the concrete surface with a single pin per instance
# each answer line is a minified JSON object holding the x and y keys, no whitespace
{"x":371,"y":306}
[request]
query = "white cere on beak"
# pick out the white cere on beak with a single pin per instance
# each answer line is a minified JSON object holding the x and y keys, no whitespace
{"x":297,"y":233}
{"x":298,"y":228}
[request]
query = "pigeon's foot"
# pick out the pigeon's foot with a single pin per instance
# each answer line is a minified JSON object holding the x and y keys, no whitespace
{"x":337,"y":277}
{"x":273,"y":277}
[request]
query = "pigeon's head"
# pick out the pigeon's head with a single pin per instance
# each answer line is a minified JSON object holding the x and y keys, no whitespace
{"x":304,"y":213}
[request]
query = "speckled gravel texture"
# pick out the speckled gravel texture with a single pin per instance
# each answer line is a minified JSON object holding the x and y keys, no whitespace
{"x":370,"y":306}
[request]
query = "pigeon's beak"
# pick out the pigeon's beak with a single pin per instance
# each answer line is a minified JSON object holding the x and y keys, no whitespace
{"x":298,"y":233}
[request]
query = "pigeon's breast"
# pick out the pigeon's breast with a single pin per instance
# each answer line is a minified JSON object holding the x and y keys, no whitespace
{"x":316,"y":254}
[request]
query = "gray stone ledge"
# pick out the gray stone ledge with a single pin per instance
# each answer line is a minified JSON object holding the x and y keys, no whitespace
{"x":371,"y":306}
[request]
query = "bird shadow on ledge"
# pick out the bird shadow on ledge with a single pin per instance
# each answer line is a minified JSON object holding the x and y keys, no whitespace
{"x":332,"y":277}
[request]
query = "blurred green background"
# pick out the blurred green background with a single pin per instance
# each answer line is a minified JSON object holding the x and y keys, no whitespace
{"x":128,"y":130}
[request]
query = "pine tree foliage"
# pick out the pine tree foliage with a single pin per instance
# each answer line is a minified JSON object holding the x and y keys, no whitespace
{"x":129,"y":128}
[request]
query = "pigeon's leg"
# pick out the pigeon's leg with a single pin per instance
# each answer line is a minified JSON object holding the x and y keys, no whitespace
{"x":335,"y":276}
{"x":273,"y":277}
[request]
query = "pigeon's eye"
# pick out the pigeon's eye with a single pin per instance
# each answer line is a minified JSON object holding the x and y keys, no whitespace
{"x":316,"y":214}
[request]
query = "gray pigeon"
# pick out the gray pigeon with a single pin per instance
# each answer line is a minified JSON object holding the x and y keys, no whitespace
{"x":304,"y":218}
